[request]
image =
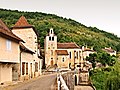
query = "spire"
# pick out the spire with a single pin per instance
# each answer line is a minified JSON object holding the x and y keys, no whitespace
{"x":22,"y":22}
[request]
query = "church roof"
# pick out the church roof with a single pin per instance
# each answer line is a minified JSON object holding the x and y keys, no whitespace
{"x":6,"y":32}
{"x":61,"y":52}
{"x":70,"y":45}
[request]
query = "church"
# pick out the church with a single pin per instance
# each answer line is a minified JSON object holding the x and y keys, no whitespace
{"x":63,"y":55}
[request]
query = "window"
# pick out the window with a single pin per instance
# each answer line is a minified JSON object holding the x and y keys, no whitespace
{"x":49,"y":38}
{"x":26,"y":68}
{"x":36,"y":67}
{"x":63,"y":59}
{"x":8,"y":45}
{"x":52,"y":38}
{"x":51,"y":45}
{"x":51,"y":31}
{"x":77,"y":54}
{"x":29,"y":37}
{"x":70,"y":55}
{"x":23,"y":68}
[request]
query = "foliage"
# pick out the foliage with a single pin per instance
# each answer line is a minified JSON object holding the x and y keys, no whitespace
{"x":112,"y":83}
{"x":106,"y":78}
{"x":67,"y":30}
{"x":101,"y":57}
{"x":92,"y":58}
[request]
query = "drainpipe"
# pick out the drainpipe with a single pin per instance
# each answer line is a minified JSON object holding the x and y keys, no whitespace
{"x":20,"y":62}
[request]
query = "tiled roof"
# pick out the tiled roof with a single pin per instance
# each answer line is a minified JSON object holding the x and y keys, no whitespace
{"x":3,"y":26}
{"x":109,"y":50}
{"x":61,"y":52}
{"x":67,"y":45}
{"x":23,"y":47}
{"x":4,"y":31}
{"x":88,"y":49}
{"x":22,"y":23}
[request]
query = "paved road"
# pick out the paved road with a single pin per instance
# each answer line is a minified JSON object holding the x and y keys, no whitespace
{"x":83,"y":88}
{"x":46,"y":82}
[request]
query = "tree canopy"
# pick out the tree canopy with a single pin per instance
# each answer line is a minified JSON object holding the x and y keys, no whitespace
{"x":67,"y":30}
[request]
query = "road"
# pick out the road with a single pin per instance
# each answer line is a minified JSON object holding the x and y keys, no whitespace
{"x":83,"y":88}
{"x":45,"y":82}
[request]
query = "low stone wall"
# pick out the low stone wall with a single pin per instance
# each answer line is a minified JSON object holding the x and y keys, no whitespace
{"x":69,"y":79}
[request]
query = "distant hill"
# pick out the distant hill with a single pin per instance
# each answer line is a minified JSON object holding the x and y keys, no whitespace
{"x":67,"y":30}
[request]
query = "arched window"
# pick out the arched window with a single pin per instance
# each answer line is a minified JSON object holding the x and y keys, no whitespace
{"x":50,"y":38}
{"x":51,"y":31}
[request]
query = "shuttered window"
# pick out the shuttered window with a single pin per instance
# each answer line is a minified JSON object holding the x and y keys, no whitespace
{"x":26,"y":68}
{"x":23,"y":68}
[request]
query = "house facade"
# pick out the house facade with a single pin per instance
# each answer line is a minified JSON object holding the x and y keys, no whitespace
{"x":30,"y":64}
{"x":109,"y":51}
{"x":87,"y":51}
{"x":9,"y":54}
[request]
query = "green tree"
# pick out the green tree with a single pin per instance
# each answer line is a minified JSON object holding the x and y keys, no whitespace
{"x":112,"y":83}
{"x":92,"y":58}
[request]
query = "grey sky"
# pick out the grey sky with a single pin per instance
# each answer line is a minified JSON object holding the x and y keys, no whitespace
{"x":103,"y":14}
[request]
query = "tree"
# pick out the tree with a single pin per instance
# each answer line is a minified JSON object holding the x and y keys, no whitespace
{"x":92,"y":58}
{"x":112,"y":83}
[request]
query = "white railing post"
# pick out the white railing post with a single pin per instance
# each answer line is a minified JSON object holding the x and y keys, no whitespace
{"x":61,"y":83}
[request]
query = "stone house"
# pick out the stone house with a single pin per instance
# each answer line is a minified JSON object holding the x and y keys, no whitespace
{"x":109,"y":51}
{"x":87,"y":51}
{"x":67,"y":55}
{"x":9,"y":54}
{"x":30,"y":63}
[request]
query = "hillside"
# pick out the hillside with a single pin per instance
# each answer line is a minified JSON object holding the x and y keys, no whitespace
{"x":67,"y":30}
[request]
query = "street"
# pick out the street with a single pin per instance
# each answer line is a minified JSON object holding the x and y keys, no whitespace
{"x":45,"y":82}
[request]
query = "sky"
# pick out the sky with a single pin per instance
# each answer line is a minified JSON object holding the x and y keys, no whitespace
{"x":103,"y":14}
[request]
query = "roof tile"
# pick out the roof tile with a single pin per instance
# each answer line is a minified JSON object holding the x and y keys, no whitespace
{"x":67,"y":45}
{"x":61,"y":52}
{"x":22,"y":22}
{"x":4,"y":30}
